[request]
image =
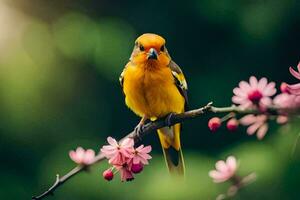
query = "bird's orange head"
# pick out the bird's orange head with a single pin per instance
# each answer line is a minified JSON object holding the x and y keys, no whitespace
{"x":150,"y":49}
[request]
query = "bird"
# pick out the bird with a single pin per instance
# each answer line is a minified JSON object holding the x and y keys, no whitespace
{"x":155,"y":87}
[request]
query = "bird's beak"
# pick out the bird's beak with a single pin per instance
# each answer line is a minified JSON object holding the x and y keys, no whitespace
{"x":152,"y":54}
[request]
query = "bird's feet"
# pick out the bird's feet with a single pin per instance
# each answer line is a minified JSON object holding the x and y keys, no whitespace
{"x":169,"y":119}
{"x":139,"y":130}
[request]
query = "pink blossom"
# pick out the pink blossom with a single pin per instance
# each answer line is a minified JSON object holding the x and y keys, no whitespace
{"x":141,"y":155}
{"x":294,"y":72}
{"x":287,"y":102}
{"x":117,"y":153}
{"x":125,"y":158}
{"x":295,"y":88}
{"x":257,"y":124}
{"x":125,"y":172}
{"x":81,"y":156}
{"x":224,"y":170}
{"x":255,"y":93}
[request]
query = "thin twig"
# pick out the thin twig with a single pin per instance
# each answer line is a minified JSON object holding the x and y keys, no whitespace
{"x":146,"y":129}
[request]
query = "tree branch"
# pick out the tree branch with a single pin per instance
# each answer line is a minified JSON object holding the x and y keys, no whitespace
{"x":146,"y":129}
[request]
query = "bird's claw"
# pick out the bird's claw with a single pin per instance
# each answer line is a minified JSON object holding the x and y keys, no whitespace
{"x":169,"y":119}
{"x":138,"y":130}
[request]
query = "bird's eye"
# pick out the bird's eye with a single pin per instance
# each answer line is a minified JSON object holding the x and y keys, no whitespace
{"x":162,"y":48}
{"x":142,"y":48}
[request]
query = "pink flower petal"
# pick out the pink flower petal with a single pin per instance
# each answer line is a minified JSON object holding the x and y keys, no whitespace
{"x":265,"y":102}
{"x":262,"y":131}
{"x":72,"y":155}
{"x":295,"y":73}
{"x":138,"y":149}
{"x":108,"y":148}
{"x":231,"y":163}
{"x":116,"y":160}
{"x":298,"y":67}
{"x":89,"y":156}
{"x":253,"y":81}
{"x":147,"y":149}
{"x":216,"y":174}
{"x":126,"y":175}
{"x":239,"y":92}
{"x":136,"y":160}
{"x":270,"y":89}
{"x":221,"y":166}
{"x":294,"y":86}
{"x":79,"y":150}
{"x":79,"y":154}
{"x":294,"y":89}
{"x":144,"y":161}
{"x":285,"y":101}
{"x":281,"y":119}
{"x":218,"y":177}
{"x":253,"y":128}
{"x":145,"y":156}
{"x":239,"y":100}
{"x":248,"y":119}
{"x":126,"y":152}
{"x":127,"y":142}
{"x":297,"y":101}
{"x":112,"y":141}
{"x":109,"y":151}
{"x":262,"y":83}
{"x":246,"y":105}
{"x":244,"y":86}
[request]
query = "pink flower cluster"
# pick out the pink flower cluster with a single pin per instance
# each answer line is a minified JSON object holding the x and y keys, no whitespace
{"x":289,"y":100}
{"x":81,"y":156}
{"x":256,"y":124}
{"x":295,"y":88}
{"x":124,"y":158}
{"x":225,"y":170}
{"x":257,"y":94}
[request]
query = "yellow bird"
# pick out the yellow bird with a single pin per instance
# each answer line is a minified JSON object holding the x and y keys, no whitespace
{"x":155,"y":87}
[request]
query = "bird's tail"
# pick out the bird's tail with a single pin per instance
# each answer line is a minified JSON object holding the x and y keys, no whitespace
{"x":170,"y":141}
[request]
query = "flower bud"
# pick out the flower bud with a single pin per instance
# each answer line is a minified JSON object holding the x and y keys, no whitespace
{"x":281,"y":119}
{"x":137,"y":168}
{"x":284,"y":87}
{"x":232,"y":124}
{"x":214,"y":124}
{"x":108,"y":175}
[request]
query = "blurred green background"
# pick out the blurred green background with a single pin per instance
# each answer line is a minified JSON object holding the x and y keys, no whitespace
{"x":59,"y":67}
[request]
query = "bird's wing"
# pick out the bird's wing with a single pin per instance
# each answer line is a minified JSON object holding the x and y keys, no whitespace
{"x":179,"y":81}
{"x":121,"y":77}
